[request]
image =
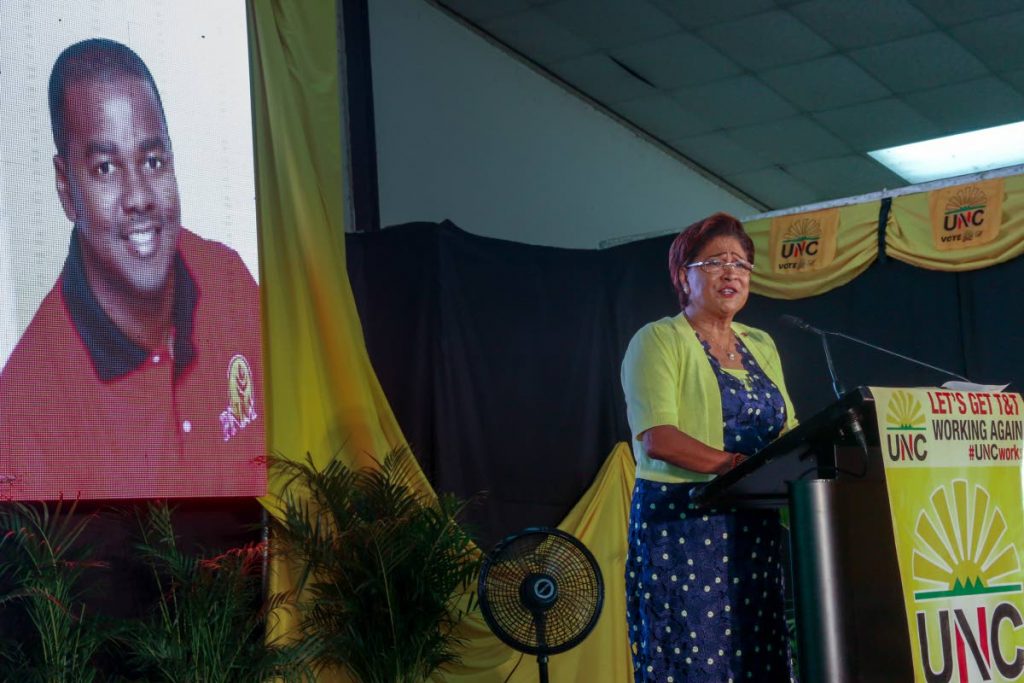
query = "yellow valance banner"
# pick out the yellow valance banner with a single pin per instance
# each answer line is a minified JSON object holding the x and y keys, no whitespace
{"x":959,"y":228}
{"x":805,"y":254}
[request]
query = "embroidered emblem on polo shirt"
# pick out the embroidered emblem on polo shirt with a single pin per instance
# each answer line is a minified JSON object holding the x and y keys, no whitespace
{"x":241,"y":408}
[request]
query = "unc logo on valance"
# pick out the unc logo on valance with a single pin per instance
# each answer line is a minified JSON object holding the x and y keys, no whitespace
{"x":966,"y":215}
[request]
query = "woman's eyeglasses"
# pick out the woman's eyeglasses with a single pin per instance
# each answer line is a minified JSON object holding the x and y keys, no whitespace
{"x":714,"y":266}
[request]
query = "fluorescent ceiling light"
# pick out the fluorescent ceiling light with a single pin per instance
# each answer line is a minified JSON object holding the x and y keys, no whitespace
{"x":956,"y":155}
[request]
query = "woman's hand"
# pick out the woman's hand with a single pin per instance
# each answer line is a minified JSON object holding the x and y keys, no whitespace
{"x":730,"y":462}
{"x":736,"y":459}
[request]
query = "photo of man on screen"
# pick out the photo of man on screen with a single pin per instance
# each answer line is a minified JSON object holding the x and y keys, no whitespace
{"x":140,"y":374}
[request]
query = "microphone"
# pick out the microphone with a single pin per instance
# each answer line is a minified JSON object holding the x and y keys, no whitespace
{"x":852,"y":425}
{"x":800,"y":324}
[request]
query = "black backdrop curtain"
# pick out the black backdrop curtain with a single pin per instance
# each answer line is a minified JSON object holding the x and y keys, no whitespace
{"x":501,"y":360}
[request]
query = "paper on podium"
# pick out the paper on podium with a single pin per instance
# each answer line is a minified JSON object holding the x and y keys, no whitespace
{"x":971,"y":386}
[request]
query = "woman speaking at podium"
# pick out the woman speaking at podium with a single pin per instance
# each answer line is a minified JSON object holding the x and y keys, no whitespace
{"x":704,"y":586}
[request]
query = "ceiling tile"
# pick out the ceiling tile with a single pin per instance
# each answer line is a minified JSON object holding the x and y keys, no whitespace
{"x":731,"y":79}
{"x":662,"y":117}
{"x":846,"y":176}
{"x":790,"y":140}
{"x":850,"y":25}
{"x":734,"y":102}
{"x":824,"y":83}
{"x":612,"y":23}
{"x":919,"y":63}
{"x":698,"y":13}
{"x":969,"y":106}
{"x":537,"y":36}
{"x":877,"y":125}
{"x":999,"y":41}
{"x":720,"y":154}
{"x":601,"y":78}
{"x":765,"y":40}
{"x":676,"y":60}
{"x":477,"y":11}
{"x":775,"y":188}
{"x":954,"y":12}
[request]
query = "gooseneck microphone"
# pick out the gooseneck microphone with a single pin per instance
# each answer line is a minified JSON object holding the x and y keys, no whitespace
{"x":837,"y":386}
{"x":801,"y":324}
{"x":853,"y":424}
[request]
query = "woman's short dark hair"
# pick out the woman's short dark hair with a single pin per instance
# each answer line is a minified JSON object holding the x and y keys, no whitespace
{"x":692,"y":239}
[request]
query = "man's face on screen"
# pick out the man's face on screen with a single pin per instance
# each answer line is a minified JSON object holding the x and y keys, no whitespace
{"x":116,"y":183}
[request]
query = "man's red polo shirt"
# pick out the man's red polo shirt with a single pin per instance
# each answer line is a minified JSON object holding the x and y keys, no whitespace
{"x":86,"y":413}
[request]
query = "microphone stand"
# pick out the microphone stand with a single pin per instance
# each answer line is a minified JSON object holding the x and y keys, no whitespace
{"x":884,"y":350}
{"x":804,"y":326}
{"x":837,"y":386}
{"x":852,"y":425}
{"x":853,"y":421}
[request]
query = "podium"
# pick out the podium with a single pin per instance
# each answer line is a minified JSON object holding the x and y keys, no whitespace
{"x":851,"y":623}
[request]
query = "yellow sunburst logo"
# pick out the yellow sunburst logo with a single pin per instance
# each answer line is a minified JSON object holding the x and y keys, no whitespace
{"x":969,"y":198}
{"x":962,"y":547}
{"x":802,"y":230}
{"x":904,"y":413}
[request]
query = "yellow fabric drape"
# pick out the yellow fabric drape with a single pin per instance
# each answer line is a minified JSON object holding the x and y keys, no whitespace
{"x":856,"y":249}
{"x":323,"y":397}
{"x":908,"y":235}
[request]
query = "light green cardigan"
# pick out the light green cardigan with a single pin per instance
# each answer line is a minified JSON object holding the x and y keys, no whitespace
{"x":668,"y":380}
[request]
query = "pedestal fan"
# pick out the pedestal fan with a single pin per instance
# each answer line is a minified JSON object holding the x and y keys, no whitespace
{"x":541,"y":592}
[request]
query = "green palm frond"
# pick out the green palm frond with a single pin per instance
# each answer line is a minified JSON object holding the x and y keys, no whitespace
{"x":42,"y":563}
{"x":386,"y":568}
{"x":210,"y":620}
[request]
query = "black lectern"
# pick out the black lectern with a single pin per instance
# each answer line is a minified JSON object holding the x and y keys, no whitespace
{"x":851,"y":621}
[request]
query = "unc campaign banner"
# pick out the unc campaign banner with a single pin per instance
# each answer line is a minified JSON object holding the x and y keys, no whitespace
{"x":805,"y":241}
{"x":952,"y":468}
{"x":966,"y":215}
{"x":809,"y":253}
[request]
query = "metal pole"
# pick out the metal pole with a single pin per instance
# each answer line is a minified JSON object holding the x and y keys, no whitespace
{"x":821,"y":617}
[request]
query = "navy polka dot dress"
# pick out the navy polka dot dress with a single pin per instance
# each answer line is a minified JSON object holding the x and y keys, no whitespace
{"x":704,"y":591}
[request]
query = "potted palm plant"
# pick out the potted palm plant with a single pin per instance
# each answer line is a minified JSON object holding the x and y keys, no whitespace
{"x":386,"y":571}
{"x":210,"y":620}
{"x":42,"y":564}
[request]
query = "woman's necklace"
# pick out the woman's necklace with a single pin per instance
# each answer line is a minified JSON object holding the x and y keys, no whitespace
{"x":728,"y":348}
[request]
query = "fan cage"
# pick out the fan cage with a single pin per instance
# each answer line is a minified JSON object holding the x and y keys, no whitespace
{"x":544,"y":551}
